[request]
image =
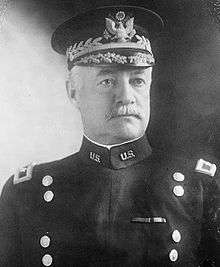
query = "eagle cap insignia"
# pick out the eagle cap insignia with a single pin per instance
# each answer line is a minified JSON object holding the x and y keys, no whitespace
{"x":121,"y":29}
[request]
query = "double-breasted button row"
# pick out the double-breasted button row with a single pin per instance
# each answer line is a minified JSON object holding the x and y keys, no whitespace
{"x":47,"y":258}
{"x":47,"y":181}
{"x":176,"y":236}
{"x":45,"y":240}
{"x":178,"y":190}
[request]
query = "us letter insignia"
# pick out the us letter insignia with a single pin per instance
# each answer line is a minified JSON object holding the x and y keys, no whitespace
{"x":95,"y":157}
{"x":127,"y":155}
{"x":205,"y":167}
{"x":23,"y":174}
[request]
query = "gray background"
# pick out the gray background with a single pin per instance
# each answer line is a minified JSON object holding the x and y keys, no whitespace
{"x":38,"y":123}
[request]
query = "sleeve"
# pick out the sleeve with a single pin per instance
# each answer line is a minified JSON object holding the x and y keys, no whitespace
{"x":216,"y":222}
{"x":10,"y":250}
{"x":211,"y":226}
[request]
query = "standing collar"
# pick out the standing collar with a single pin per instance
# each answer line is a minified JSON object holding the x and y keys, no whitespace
{"x":110,"y":146}
{"x":114,"y":156}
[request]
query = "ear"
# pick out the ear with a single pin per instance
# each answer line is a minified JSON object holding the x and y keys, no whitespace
{"x":71,"y":92}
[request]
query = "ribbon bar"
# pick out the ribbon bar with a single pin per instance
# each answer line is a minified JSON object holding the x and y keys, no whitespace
{"x":149,"y":220}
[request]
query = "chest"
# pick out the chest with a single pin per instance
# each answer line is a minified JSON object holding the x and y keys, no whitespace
{"x":129,"y":217}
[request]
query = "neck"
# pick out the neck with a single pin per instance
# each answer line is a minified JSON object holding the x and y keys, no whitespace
{"x":112,"y":145}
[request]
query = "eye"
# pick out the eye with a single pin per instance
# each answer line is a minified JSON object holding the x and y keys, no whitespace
{"x":137,"y":82}
{"x":108,"y":82}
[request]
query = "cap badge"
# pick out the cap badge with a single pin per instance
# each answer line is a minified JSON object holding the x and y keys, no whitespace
{"x":120,"y":30}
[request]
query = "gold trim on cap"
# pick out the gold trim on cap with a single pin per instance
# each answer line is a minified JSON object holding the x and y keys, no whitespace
{"x":108,"y":58}
{"x":92,"y":45}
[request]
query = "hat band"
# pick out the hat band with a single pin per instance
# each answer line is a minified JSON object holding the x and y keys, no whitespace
{"x":92,"y":45}
{"x":138,"y":59}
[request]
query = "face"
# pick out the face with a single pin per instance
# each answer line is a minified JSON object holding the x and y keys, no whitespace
{"x":114,"y":103}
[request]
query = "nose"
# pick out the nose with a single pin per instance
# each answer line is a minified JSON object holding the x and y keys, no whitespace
{"x":124,"y":94}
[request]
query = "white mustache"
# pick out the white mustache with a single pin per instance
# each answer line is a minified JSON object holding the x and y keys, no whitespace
{"x":124,"y":110}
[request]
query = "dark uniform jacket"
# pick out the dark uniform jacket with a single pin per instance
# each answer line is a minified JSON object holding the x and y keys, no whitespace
{"x":124,"y":206}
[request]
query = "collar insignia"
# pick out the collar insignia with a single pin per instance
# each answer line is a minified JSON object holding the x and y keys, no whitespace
{"x":118,"y":156}
{"x":127,"y":155}
{"x":95,"y":157}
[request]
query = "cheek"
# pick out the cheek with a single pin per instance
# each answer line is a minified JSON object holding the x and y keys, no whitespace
{"x":144,"y":96}
{"x":144,"y":104}
{"x":93,"y":105}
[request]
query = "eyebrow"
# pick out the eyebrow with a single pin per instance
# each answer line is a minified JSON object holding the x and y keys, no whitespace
{"x":108,"y":71}
{"x":139,"y":71}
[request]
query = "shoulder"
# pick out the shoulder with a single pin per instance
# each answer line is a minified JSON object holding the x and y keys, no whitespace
{"x":23,"y":174}
{"x":204,"y":164}
{"x":203,"y":169}
{"x":201,"y":166}
{"x":30,"y":176}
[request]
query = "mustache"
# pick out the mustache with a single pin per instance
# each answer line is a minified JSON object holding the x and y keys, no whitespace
{"x":123,"y":110}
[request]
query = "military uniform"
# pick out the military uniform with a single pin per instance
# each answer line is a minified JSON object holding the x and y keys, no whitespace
{"x":123,"y":206}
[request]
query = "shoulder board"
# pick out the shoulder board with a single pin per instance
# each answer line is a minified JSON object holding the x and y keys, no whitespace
{"x":23,"y":174}
{"x":205,"y":167}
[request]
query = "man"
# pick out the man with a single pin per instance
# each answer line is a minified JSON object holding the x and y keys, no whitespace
{"x":115,"y":202}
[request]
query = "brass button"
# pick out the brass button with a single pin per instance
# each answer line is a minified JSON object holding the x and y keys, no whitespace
{"x":48,"y":196}
{"x":47,"y":260}
{"x":45,"y":241}
{"x":173,"y":255}
{"x":178,"y":176}
{"x":47,"y":180}
{"x":178,"y":190}
{"x":176,"y":236}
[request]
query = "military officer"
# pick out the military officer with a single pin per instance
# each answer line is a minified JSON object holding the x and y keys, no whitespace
{"x":115,"y":202}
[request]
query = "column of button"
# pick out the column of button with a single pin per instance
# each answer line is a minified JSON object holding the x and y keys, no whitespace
{"x":178,"y":191}
{"x":45,"y":240}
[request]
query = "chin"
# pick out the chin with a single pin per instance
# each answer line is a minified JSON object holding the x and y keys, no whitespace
{"x":124,"y":129}
{"x":127,"y":133}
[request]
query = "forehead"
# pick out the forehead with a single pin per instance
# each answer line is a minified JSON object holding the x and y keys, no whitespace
{"x":113,"y":70}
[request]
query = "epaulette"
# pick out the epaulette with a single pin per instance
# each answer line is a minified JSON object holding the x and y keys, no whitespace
{"x":205,"y":167}
{"x":23,"y":174}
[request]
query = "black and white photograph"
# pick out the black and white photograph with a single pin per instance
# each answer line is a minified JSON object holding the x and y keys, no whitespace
{"x":110,"y":133}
